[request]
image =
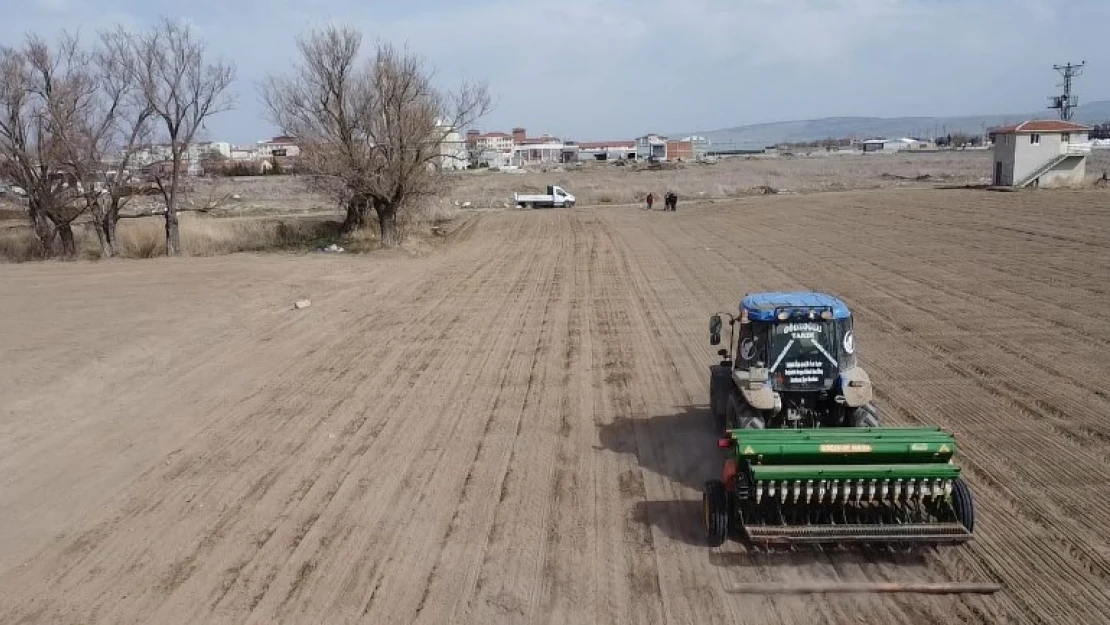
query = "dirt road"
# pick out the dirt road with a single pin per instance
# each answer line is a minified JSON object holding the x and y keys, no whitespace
{"x":513,"y":428}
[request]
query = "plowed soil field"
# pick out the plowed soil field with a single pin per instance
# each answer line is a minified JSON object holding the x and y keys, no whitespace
{"x":512,"y":428}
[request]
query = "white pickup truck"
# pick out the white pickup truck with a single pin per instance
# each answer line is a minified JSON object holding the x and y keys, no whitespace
{"x":556,"y":197}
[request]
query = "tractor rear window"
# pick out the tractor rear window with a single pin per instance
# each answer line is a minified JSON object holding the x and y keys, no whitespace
{"x":804,"y":353}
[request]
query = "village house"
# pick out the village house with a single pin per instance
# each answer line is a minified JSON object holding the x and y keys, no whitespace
{"x":651,"y":147}
{"x":1041,"y":153}
{"x":607,"y":150}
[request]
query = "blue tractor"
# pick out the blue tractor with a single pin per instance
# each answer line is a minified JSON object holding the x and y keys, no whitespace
{"x":807,"y":461}
{"x":790,"y":363}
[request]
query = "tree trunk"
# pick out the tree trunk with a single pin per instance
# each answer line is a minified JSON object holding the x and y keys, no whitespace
{"x":69,"y":244}
{"x":104,"y":221}
{"x":173,"y":235}
{"x":356,"y":215}
{"x":387,"y":219}
{"x":111,"y":220}
{"x":101,"y":235}
{"x":44,"y":230}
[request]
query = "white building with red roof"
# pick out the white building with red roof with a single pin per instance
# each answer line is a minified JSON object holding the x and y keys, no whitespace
{"x":1041,"y":153}
{"x":278,"y":146}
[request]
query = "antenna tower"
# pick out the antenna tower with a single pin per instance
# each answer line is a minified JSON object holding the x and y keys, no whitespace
{"x":1067,"y":102}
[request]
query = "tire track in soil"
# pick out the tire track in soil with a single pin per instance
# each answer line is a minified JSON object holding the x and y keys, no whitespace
{"x":465,"y":492}
{"x":568,"y":545}
{"x":670,"y":449}
{"x":414,"y":547}
{"x":311,"y":515}
{"x":196,"y":369}
{"x":472,"y":520}
{"x":313,"y":506}
{"x":84,"y":543}
{"x":634,"y":589}
{"x":208,"y":541}
{"x":957,"y":239}
{"x":396,"y":407}
{"x":515,"y":548}
{"x":397,"y":517}
{"x":485,"y":482}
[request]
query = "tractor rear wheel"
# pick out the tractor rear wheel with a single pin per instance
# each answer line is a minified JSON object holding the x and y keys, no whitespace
{"x":864,"y":417}
{"x":714,"y":503}
{"x":743,"y":416}
{"x":719,"y":388}
{"x":963,"y":504}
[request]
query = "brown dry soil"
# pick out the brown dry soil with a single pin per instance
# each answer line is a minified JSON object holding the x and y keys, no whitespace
{"x":512,"y":429}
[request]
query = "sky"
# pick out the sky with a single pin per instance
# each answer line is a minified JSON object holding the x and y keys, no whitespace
{"x":616,"y":69}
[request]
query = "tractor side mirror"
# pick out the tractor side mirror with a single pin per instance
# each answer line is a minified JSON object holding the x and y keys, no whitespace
{"x":715,"y":330}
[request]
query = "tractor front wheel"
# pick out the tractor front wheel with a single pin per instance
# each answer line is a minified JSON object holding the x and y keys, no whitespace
{"x":962,"y":504}
{"x":715,"y":510}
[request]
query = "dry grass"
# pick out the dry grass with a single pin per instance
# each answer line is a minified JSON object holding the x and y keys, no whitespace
{"x":214,"y":236}
{"x":145,"y":237}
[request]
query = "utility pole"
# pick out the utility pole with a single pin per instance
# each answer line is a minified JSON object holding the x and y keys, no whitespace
{"x":1067,"y":102}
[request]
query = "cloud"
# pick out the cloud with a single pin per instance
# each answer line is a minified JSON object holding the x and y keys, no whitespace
{"x":52,"y":6}
{"x":617,"y":68}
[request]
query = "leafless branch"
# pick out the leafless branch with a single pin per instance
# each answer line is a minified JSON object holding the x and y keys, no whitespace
{"x":44,"y":91}
{"x":371,"y":132}
{"x":182,"y":90}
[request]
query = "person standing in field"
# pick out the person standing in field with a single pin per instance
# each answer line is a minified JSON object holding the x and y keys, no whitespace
{"x":650,"y":200}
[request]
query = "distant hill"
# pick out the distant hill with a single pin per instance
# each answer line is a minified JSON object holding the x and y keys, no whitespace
{"x":889,"y":127}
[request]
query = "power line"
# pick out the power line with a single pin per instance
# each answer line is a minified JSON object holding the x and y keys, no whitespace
{"x":1067,"y":102}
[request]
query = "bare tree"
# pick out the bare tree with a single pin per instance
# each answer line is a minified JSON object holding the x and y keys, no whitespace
{"x":370,"y":131}
{"x":121,"y":126}
{"x":183,"y":90}
{"x":21,"y":116}
{"x":42,"y":90}
{"x":99,"y":137}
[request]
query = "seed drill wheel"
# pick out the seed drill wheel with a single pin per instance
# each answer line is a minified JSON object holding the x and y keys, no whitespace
{"x":714,"y":504}
{"x":962,"y":504}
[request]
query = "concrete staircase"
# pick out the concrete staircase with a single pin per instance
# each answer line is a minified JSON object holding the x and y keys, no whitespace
{"x":1040,"y":171}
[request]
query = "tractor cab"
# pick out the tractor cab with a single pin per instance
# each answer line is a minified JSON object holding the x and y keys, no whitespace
{"x":792,"y":354}
{"x":803,"y":342}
